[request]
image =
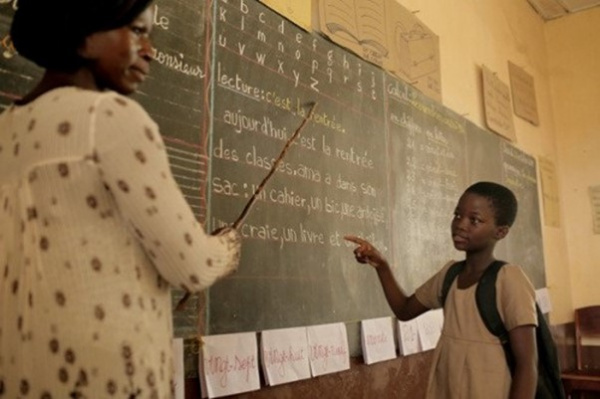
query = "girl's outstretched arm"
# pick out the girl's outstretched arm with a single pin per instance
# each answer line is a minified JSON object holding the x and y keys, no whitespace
{"x":404,"y":307}
{"x":524,"y":349}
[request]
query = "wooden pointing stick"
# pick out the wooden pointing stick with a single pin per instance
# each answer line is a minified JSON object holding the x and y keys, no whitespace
{"x":240,"y":220}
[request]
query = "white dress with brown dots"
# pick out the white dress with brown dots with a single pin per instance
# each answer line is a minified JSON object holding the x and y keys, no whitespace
{"x":93,"y":231}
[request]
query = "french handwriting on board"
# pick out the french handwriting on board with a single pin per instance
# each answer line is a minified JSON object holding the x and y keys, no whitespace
{"x":332,"y":180}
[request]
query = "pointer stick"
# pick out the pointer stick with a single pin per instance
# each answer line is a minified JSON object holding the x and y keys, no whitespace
{"x":261,"y":186}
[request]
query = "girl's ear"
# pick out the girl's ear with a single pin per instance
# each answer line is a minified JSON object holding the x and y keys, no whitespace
{"x":501,"y":232}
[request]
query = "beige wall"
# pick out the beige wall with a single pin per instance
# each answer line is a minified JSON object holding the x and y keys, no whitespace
{"x":574,"y":67}
{"x":563,"y":56}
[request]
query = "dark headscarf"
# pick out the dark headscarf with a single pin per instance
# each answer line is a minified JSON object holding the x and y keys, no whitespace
{"x":49,"y":33}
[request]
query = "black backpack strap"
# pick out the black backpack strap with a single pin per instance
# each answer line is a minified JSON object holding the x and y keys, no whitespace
{"x":485,"y":295}
{"x":451,"y":274}
{"x":549,"y":380}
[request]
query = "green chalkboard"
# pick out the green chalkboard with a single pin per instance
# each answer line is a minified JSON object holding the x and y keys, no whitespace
{"x":17,"y":75}
{"x":296,"y":269}
{"x":428,"y":152}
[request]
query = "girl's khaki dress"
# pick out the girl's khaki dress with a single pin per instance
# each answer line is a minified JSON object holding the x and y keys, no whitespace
{"x":469,"y":362}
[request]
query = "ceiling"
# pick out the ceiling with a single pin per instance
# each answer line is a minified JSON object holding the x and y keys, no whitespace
{"x":551,"y":9}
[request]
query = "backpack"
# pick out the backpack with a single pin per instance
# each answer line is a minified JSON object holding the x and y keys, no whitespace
{"x":549,"y":384}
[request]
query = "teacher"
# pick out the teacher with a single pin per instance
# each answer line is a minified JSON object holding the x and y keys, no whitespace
{"x":93,"y":228}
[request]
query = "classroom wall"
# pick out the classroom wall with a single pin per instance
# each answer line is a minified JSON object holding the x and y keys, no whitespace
{"x":574,"y":68}
{"x":492,"y":32}
{"x":560,"y":56}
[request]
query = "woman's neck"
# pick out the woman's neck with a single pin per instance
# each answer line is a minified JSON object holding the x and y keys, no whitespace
{"x":82,"y":78}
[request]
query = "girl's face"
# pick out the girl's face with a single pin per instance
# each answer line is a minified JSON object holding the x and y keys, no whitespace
{"x":474,"y":226}
{"x":119,"y":59}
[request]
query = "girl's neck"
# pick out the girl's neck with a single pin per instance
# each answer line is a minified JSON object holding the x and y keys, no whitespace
{"x":478,"y":262}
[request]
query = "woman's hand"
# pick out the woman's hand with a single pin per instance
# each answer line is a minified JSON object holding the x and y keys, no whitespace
{"x":366,"y":252}
{"x":222,"y":231}
{"x":233,"y":239}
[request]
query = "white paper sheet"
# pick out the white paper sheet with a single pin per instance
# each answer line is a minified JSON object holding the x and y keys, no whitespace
{"x":377,"y":338}
{"x":430,"y":328}
{"x":229,"y":364}
{"x":328,"y":348}
{"x":179,"y":374}
{"x":284,"y":355}
{"x":542,"y":297}
{"x":408,"y":337}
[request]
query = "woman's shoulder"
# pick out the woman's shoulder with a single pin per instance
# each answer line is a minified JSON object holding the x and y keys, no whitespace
{"x":111,"y":107}
{"x":82,"y":97}
{"x":75,"y":99}
{"x":114,"y":100}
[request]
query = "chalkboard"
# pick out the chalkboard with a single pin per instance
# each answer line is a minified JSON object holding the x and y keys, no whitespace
{"x":17,"y":75}
{"x":296,"y":269}
{"x":175,"y":96}
{"x":429,"y":173}
{"x":524,"y":241}
{"x":230,"y":85}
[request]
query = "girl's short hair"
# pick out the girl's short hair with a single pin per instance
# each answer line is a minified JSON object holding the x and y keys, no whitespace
{"x":503,"y":201}
{"x":50,"y":33}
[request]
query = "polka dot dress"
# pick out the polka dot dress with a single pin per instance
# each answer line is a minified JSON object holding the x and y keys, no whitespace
{"x":93,"y":232}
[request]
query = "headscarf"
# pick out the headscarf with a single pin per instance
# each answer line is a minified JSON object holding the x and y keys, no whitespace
{"x":50,"y":33}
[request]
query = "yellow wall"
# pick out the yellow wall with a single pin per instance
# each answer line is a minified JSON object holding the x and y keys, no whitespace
{"x":574,"y":67}
{"x":563,"y":56}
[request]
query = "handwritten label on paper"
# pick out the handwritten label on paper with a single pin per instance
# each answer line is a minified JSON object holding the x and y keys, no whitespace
{"x":542,"y":297}
{"x":496,"y":101}
{"x":328,"y":348}
{"x":229,"y":364}
{"x":430,"y":328}
{"x":377,"y":340}
{"x":285,"y":355}
{"x":178,"y":369}
{"x":523,"y":93}
{"x":549,"y":191}
{"x":408,"y":337}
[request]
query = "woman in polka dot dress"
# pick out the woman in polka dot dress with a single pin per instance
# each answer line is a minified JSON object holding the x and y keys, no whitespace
{"x":93,"y":228}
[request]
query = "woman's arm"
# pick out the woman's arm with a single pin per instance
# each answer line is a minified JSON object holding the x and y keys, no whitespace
{"x":133,"y":163}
